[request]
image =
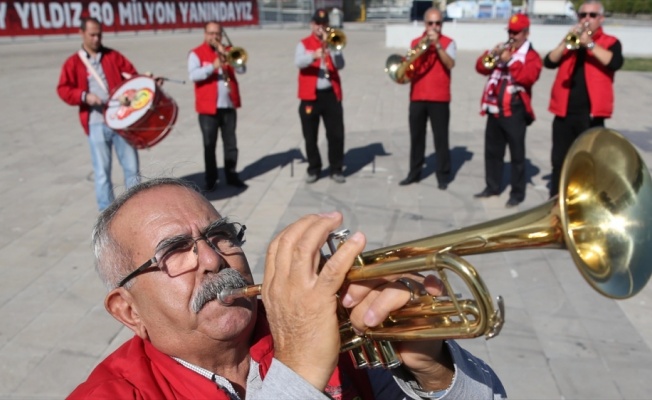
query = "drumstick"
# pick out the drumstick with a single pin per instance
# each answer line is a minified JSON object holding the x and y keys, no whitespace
{"x":173,"y":80}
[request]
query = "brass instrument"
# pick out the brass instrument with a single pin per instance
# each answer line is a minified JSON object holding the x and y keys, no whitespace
{"x":490,"y":60}
{"x":335,"y":38}
{"x":235,"y":56}
{"x":400,"y":68}
{"x":602,"y":216}
{"x":572,"y":39}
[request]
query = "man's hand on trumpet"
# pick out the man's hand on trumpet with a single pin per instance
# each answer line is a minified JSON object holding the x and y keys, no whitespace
{"x":301,"y":301}
{"x":301,"y":294}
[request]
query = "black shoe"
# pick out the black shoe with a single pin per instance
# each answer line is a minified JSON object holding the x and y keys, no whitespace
{"x":234,"y":180}
{"x":311,"y":178}
{"x":209,"y":187}
{"x":410,"y":180}
{"x":485,"y":193}
{"x":512,"y":203}
{"x":339,"y":178}
{"x":442,"y":186}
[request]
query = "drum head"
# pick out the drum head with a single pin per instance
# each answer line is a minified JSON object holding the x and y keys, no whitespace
{"x":130,"y":102}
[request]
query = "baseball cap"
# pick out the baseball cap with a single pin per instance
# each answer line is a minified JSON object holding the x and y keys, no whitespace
{"x":518,"y":22}
{"x":320,"y":17}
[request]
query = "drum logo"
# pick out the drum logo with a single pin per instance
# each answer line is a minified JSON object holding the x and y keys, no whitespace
{"x":132,"y":100}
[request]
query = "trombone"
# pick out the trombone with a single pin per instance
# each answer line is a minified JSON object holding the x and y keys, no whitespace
{"x":601,"y":217}
{"x":335,"y":38}
{"x":235,"y":56}
{"x":490,"y":60}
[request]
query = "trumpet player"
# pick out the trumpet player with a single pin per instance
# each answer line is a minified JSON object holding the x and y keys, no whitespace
{"x":217,"y":96}
{"x":430,"y":96}
{"x":320,"y":92}
{"x":513,"y":68}
{"x":187,"y":345}
{"x":582,"y":94}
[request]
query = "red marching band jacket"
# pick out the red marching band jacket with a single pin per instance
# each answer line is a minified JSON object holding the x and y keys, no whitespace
{"x":73,"y":80}
{"x":308,"y":76}
{"x":206,"y":90}
{"x":137,"y":370}
{"x":599,"y":81}
{"x":431,"y":80}
{"x":522,"y":73}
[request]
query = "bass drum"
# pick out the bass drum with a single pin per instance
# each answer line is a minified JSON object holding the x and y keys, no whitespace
{"x":141,"y":112}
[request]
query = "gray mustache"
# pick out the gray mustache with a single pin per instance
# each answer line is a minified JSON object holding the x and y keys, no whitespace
{"x":226,"y":278}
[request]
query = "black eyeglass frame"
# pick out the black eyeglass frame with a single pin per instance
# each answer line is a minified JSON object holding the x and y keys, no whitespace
{"x":582,"y":15}
{"x":153,"y":262}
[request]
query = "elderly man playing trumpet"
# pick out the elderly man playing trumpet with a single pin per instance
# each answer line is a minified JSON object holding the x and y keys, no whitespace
{"x":582,"y":94}
{"x":165,"y":254}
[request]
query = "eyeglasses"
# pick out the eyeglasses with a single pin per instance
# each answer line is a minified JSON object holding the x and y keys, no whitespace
{"x":178,"y":254}
{"x":430,"y":23}
{"x":588,"y":14}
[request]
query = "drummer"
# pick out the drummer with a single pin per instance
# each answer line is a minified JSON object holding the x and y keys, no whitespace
{"x":87,"y":78}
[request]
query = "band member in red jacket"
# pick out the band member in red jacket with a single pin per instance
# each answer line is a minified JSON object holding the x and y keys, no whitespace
{"x":513,"y":68}
{"x":320,"y":91}
{"x":582,"y":94}
{"x":90,"y":92}
{"x":430,"y":96}
{"x":165,"y":254}
{"x":217,"y":96}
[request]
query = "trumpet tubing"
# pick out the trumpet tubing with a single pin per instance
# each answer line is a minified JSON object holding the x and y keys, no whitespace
{"x":400,"y":68}
{"x":601,"y":217}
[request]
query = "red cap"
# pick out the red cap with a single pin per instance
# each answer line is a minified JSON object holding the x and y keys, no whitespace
{"x":518,"y":22}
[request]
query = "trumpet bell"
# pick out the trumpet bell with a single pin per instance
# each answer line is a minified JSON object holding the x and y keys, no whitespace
{"x":605,"y":197}
{"x":572,"y":41}
{"x":237,"y":57}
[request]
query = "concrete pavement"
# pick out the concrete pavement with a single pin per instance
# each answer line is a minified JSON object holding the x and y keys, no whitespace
{"x":560,"y":340}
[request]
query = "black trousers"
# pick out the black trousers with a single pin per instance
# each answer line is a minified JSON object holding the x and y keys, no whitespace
{"x":499,"y":133}
{"x":330,"y":110}
{"x":225,"y":119}
{"x":564,"y":132}
{"x":439,"y":114}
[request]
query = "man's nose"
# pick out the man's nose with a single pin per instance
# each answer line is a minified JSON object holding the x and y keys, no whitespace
{"x":208,"y":256}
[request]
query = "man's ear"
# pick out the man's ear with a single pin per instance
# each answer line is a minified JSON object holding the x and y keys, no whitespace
{"x":120,"y":304}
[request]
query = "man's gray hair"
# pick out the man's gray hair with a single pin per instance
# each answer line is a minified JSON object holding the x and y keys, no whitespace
{"x":112,"y":260}
{"x":598,"y":2}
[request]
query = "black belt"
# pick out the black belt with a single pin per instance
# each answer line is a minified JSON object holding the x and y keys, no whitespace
{"x":330,"y":89}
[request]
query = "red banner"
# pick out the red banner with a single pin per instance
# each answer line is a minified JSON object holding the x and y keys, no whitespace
{"x":61,"y":17}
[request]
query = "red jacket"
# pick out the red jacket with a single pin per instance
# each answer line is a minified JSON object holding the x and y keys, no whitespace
{"x":523,"y":76}
{"x":599,"y":81}
{"x":308,"y":76}
{"x":137,"y":370}
{"x":74,"y":79}
{"x":431,"y":80}
{"x":206,"y":90}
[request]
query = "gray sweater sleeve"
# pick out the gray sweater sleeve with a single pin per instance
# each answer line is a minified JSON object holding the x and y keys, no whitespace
{"x":282,"y":383}
{"x":473,"y":379}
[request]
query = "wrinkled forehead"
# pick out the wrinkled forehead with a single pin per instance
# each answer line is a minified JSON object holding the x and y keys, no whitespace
{"x":590,"y":7}
{"x":163,"y":210}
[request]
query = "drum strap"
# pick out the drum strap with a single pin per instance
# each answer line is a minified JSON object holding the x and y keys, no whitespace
{"x":89,"y":67}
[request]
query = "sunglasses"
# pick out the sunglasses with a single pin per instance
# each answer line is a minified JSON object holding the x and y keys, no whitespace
{"x":588,"y":14}
{"x":430,"y":23}
{"x":511,"y":32}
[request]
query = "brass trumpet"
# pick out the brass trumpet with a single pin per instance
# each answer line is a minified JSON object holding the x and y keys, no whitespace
{"x":400,"y":68}
{"x":601,"y":217}
{"x":572,"y":39}
{"x":491,"y":60}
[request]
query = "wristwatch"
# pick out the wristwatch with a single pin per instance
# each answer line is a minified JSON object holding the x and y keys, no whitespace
{"x":590,"y":46}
